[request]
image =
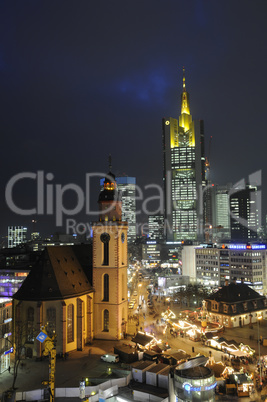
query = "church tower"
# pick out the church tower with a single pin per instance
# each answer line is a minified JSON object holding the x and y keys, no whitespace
{"x":110,"y":265}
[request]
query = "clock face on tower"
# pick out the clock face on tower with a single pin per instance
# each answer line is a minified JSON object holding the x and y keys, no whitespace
{"x":105,"y":237}
{"x":122,"y":237}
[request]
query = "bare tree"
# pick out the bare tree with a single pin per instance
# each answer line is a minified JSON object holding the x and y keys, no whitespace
{"x":192,"y":292}
{"x":21,"y":337}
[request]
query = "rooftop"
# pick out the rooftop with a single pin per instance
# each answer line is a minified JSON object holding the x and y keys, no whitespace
{"x":57,"y":275}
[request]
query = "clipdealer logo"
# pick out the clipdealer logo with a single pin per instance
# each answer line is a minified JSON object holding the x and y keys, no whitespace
{"x":50,"y":196}
{"x":50,"y":199}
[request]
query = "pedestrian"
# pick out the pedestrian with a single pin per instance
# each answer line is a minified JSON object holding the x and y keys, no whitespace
{"x":9,"y":368}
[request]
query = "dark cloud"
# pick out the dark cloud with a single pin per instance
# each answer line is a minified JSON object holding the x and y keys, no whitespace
{"x":80,"y":80}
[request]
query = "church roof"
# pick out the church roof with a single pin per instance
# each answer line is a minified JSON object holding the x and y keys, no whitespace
{"x":57,"y":275}
{"x":235,"y":292}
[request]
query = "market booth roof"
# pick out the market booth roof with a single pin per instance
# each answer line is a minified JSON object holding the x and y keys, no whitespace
{"x":143,"y":339}
{"x":239,"y":353}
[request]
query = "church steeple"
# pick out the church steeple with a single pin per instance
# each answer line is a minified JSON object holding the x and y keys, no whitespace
{"x":109,"y":162}
{"x":109,"y":199}
{"x":185,"y":118}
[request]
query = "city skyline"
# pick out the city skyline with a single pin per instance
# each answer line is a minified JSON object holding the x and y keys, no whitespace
{"x":80,"y":83}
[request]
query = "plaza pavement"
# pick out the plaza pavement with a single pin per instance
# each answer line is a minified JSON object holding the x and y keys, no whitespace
{"x":69,"y":372}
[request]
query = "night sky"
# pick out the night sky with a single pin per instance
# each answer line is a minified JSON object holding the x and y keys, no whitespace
{"x":83,"y":79}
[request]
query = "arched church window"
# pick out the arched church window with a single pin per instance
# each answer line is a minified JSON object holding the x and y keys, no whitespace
{"x":106,"y":287}
{"x":70,"y":323}
{"x":30,"y":323}
{"x":105,"y":238}
{"x":106,"y":321}
{"x":51,"y":321}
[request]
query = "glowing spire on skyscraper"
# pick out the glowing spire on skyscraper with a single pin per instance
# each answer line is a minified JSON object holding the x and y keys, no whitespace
{"x":185,"y":118}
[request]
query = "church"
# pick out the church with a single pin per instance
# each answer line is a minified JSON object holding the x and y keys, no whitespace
{"x":79,"y":293}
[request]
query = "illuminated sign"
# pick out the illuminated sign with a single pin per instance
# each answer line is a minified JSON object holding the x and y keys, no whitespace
{"x":7,"y":320}
{"x":208,"y":387}
{"x":247,"y":246}
{"x":258,"y":246}
{"x":41,"y":337}
{"x":189,"y":388}
{"x":8,"y":351}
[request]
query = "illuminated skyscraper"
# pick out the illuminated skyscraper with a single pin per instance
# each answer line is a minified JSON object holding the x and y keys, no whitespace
{"x":16,"y":235}
{"x":245,"y":220}
{"x":156,"y":227}
{"x":221,"y":230}
{"x":184,"y":174}
{"x":126,"y":185}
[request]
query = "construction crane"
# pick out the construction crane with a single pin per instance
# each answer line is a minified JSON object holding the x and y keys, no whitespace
{"x":207,"y":163}
{"x":207,"y":199}
{"x":49,"y":350}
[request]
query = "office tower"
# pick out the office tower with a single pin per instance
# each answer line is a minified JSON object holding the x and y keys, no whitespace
{"x":207,"y":262}
{"x":208,"y":217}
{"x":265,"y":227}
{"x":221,"y":213}
{"x":126,"y":185}
{"x":16,"y":235}
{"x":244,"y":262}
{"x":156,"y":227}
{"x":151,"y":253}
{"x":244,"y":209}
{"x":184,"y":174}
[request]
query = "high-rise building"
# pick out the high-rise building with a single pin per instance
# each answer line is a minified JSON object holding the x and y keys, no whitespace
{"x":184,"y":174}
{"x":156,"y":227}
{"x":126,"y":186}
{"x":231,"y":261}
{"x":221,"y":213}
{"x":16,"y":235}
{"x":244,"y":209}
